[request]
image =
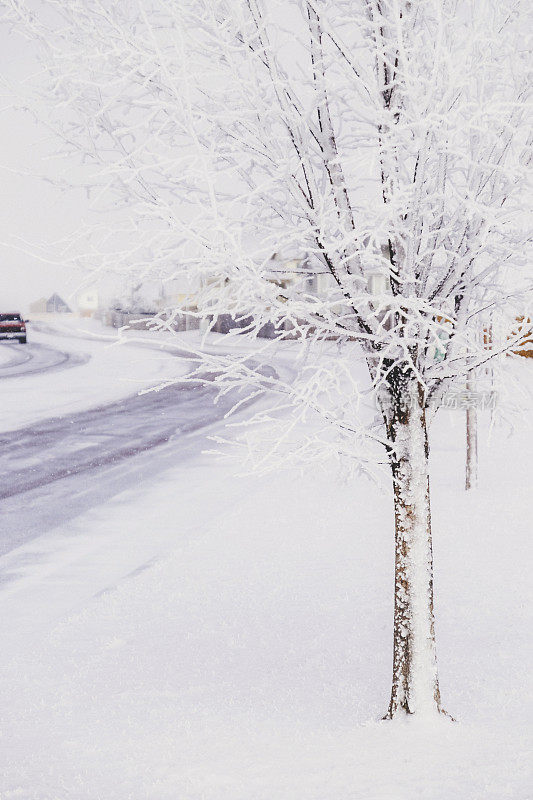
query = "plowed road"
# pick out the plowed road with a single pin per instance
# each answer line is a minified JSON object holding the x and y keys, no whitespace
{"x":56,"y":468}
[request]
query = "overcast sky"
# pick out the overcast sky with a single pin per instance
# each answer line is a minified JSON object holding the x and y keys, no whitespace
{"x":31,"y":210}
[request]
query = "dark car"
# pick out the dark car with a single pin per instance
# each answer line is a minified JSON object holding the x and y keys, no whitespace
{"x":12,"y":326}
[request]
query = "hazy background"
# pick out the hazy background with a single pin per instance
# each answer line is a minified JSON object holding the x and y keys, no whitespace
{"x":32,"y":211}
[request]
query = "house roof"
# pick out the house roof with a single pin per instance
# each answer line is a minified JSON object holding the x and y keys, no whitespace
{"x":57,"y":300}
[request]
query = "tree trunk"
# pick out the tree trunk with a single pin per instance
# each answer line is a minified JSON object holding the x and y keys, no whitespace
{"x":415,"y":685}
{"x":471,"y":437}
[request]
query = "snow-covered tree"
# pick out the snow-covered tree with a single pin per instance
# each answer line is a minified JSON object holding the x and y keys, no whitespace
{"x":380,"y":144}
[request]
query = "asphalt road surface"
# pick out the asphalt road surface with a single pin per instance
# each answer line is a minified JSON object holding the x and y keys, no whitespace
{"x":55,"y":469}
{"x":55,"y":448}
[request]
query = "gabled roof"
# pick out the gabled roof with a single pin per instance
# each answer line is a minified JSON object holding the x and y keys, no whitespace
{"x":57,"y":301}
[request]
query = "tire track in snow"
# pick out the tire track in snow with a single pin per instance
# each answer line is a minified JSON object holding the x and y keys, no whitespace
{"x":38,"y":358}
{"x":60,"y":447}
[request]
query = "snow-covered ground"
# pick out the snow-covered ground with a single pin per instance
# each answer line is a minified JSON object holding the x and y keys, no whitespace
{"x":205,"y":636}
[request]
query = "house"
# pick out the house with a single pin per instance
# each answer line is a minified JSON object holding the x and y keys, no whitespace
{"x":56,"y":305}
{"x":87,"y":302}
{"x":39,"y":306}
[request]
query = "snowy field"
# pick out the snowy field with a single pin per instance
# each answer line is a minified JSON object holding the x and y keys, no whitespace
{"x":191,"y":634}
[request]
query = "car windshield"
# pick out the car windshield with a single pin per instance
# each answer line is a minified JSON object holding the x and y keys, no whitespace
{"x":9,"y":317}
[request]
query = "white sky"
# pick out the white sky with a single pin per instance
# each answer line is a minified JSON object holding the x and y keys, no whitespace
{"x":31,"y":209}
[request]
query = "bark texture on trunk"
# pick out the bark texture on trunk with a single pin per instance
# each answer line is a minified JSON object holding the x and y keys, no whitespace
{"x":415,"y":685}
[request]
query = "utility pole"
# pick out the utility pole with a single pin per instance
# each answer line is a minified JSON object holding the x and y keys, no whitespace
{"x":471,"y":436}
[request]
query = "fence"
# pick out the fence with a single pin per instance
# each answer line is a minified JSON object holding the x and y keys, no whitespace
{"x":142,"y":321}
